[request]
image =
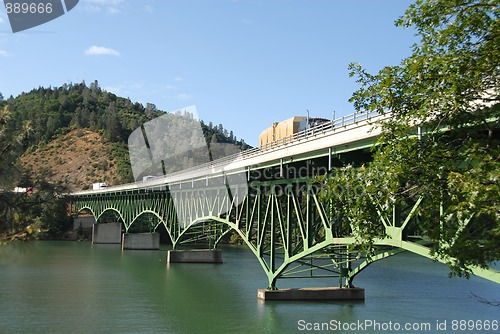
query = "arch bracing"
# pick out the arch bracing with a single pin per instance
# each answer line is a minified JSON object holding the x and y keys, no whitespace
{"x":282,"y":221}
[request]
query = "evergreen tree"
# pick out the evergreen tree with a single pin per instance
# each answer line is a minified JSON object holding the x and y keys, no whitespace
{"x":114,"y":129}
{"x":150,"y":109}
{"x":57,"y":110}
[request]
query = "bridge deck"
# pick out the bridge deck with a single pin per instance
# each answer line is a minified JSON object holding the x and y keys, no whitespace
{"x":342,"y":135}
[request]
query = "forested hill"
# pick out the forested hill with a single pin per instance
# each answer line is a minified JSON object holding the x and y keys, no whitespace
{"x":74,"y":120}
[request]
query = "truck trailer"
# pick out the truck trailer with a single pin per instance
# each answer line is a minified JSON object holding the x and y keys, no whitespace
{"x":100,"y":185}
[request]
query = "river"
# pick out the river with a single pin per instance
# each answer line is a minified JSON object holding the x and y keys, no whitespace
{"x":77,"y":287}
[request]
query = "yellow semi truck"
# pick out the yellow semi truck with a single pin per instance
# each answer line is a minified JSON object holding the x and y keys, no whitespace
{"x":284,"y":131}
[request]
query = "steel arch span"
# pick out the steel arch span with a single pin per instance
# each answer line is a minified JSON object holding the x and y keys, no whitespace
{"x":282,"y":221}
{"x":267,"y":196}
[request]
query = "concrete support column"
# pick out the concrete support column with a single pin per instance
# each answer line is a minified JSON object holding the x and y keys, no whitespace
{"x":141,"y":241}
{"x":85,"y":221}
{"x":109,"y":233}
{"x":194,"y":256}
{"x":332,"y":293}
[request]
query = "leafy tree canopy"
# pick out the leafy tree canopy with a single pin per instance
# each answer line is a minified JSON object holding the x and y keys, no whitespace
{"x":19,"y":217}
{"x":11,"y":145}
{"x":441,"y":142}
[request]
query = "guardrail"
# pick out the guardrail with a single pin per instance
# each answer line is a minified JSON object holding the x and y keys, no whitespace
{"x":323,"y":128}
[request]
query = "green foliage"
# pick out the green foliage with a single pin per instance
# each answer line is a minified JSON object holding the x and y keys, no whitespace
{"x":54,"y":111}
{"x":348,"y":197}
{"x":235,"y":238}
{"x":57,"y":110}
{"x":123,"y":169}
{"x":41,"y":214}
{"x":220,"y":135}
{"x":11,"y":145}
{"x":33,"y":119}
{"x":47,"y":209}
{"x":448,"y":89}
{"x":24,"y":215}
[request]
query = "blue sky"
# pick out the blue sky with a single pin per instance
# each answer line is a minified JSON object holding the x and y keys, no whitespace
{"x":243,"y":63}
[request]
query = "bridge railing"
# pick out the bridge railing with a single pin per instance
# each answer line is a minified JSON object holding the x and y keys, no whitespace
{"x":219,"y":164}
{"x":320,"y":128}
{"x":305,"y":134}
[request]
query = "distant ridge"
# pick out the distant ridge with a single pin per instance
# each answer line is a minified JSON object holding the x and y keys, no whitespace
{"x":79,"y":133}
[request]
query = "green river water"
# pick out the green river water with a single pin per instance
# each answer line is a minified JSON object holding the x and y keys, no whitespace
{"x":77,"y":287}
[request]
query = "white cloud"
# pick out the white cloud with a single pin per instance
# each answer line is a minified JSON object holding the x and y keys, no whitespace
{"x":101,"y":51}
{"x":4,"y":53}
{"x":2,"y":20}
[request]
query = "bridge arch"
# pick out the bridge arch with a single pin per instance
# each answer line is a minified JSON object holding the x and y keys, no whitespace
{"x":280,"y":219}
{"x":280,"y":228}
{"x":232,"y":226}
{"x":117,"y":211}
{"x":161,"y":221}
{"x":80,"y":210}
{"x":96,"y":210}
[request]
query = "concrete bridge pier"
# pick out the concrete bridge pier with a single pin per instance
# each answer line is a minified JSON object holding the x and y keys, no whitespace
{"x":194,"y":256}
{"x":145,"y":241}
{"x":327,"y":293}
{"x":85,"y":221}
{"x":108,"y":233}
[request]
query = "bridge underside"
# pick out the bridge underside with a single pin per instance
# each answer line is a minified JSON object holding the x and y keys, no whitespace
{"x":281,"y":220}
{"x":272,"y":204}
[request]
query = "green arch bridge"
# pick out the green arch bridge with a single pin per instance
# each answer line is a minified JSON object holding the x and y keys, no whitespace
{"x":267,"y":197}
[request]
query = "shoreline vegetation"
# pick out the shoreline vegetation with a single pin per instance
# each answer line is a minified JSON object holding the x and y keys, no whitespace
{"x":55,"y":140}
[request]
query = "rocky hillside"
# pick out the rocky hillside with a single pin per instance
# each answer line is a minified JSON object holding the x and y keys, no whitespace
{"x":78,"y":134}
{"x":78,"y":159}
